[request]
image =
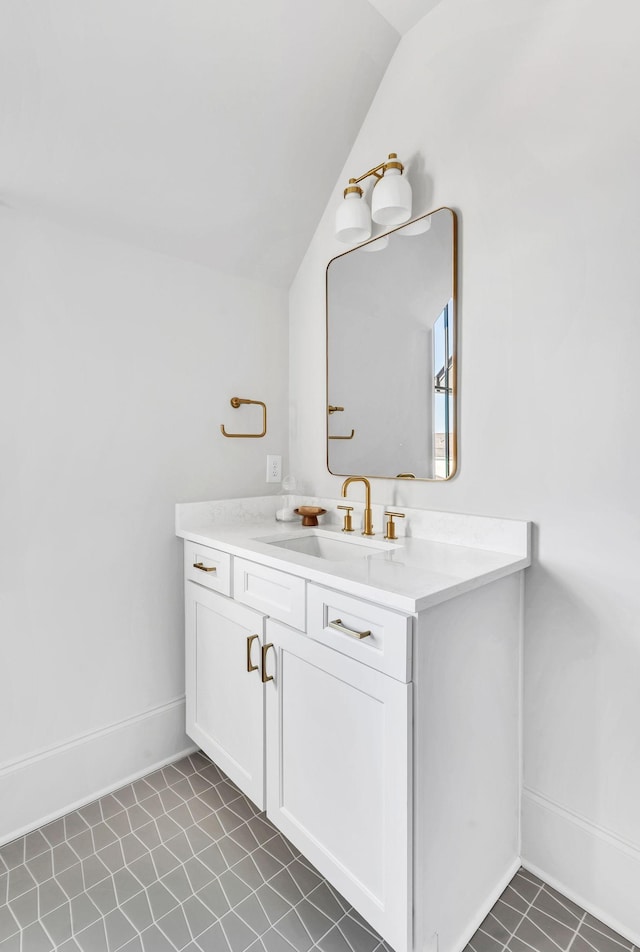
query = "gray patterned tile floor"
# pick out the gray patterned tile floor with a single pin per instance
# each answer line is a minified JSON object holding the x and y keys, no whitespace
{"x":181,"y":861}
{"x":530,"y":915}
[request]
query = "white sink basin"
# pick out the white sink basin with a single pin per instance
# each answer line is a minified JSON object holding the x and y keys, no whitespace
{"x":327,"y":545}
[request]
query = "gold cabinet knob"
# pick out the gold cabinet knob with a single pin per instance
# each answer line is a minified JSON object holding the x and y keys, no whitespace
{"x":391,"y":529}
{"x":348,"y":524}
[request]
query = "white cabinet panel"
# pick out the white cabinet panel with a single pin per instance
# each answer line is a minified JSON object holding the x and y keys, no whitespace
{"x":225,"y":701}
{"x":339,"y":774}
{"x":275,"y":593}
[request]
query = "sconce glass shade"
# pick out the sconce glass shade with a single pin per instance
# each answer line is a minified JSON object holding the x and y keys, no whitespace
{"x":378,"y":245}
{"x":418,"y":227}
{"x":391,"y":199}
{"x":353,"y":219}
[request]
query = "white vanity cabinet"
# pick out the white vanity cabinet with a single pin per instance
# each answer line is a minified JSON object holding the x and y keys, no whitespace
{"x":384,"y":743}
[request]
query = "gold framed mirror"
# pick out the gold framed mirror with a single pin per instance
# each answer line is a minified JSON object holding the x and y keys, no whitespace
{"x":391,"y":353}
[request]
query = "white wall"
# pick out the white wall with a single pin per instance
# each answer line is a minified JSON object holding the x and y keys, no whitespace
{"x":116,"y":369}
{"x":523,"y":116}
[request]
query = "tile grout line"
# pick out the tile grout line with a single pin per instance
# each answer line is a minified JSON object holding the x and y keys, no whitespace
{"x":196,"y":785}
{"x":180,"y":863}
{"x":253,"y":893}
{"x":554,"y":918}
{"x":314,"y":943}
{"x":623,"y":948}
{"x":293,"y":907}
{"x":118,"y":839}
{"x":575,"y":930}
{"x":575,"y":934}
{"x":628,"y":947}
{"x":102,"y":918}
{"x":524,"y":916}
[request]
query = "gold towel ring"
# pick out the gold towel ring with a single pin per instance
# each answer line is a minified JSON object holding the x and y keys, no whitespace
{"x":235,"y":403}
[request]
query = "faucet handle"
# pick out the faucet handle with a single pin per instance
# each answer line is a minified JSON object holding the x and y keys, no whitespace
{"x":348,"y":525}
{"x":391,"y":528}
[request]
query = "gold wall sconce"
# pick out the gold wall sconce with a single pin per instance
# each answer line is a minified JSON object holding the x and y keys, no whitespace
{"x":235,"y":403}
{"x":390,"y":202}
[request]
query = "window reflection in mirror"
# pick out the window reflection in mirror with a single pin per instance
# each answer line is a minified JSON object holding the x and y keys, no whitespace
{"x":391,"y":346}
{"x":442,"y":344}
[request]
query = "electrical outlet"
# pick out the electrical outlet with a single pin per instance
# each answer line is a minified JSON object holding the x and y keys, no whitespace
{"x":274,"y":469}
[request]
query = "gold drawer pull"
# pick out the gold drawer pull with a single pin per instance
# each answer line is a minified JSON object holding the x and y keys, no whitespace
{"x":337,"y":624}
{"x":250,"y":666}
{"x":265,"y":648}
{"x":204,"y":568}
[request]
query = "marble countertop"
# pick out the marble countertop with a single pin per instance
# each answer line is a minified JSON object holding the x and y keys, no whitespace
{"x":410,"y":576}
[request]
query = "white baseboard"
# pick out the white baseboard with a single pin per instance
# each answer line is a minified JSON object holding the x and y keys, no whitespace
{"x":40,"y":788}
{"x":590,"y":865}
{"x":488,"y":905}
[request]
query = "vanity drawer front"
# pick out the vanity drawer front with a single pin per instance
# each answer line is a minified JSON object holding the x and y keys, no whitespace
{"x":277,"y":594}
{"x":215,"y":571}
{"x":387,"y":648}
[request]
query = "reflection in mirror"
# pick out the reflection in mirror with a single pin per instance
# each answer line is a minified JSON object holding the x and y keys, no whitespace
{"x":391,"y":354}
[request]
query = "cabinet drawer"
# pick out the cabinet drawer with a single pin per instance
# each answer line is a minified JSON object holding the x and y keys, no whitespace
{"x":277,"y":594}
{"x":388,"y":646}
{"x":216,"y":567}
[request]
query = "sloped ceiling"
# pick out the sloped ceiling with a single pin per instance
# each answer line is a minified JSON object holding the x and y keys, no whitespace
{"x":213,"y":131}
{"x":403,"y":14}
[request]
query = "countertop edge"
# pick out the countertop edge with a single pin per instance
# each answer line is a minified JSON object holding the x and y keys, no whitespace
{"x":394,"y":600}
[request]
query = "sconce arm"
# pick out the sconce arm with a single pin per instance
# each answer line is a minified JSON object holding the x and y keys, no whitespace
{"x":375,"y":171}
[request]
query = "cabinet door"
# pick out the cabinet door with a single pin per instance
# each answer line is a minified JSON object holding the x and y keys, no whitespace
{"x":339,"y":774}
{"x":225,"y":701}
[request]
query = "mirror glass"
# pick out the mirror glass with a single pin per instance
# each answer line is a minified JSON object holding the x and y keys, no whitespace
{"x":391,"y":354}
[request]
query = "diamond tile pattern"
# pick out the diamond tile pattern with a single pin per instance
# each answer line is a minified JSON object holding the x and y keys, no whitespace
{"x":179,"y":861}
{"x":532,"y":916}
{"x":182,"y":861}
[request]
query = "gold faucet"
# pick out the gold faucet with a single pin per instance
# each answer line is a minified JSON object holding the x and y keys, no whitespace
{"x":368,"y":515}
